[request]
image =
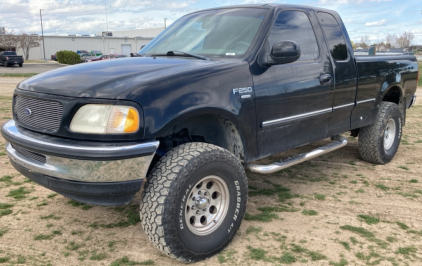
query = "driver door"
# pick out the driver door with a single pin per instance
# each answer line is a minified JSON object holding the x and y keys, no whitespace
{"x":294,"y":100}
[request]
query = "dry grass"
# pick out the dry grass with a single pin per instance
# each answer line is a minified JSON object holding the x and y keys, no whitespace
{"x":332,"y":210}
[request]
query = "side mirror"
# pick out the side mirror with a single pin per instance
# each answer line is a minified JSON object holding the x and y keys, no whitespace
{"x":284,"y":52}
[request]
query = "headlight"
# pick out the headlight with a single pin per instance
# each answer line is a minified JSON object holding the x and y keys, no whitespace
{"x":105,"y":119}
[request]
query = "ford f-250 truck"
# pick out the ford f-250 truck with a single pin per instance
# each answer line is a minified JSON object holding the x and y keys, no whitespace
{"x":215,"y":91}
{"x":10,"y":58}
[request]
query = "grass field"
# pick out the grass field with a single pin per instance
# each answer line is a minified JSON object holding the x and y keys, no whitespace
{"x":420,"y":74}
{"x":333,"y":210}
{"x":17,"y":75}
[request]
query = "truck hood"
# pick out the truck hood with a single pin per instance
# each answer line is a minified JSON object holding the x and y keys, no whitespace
{"x":109,"y":78}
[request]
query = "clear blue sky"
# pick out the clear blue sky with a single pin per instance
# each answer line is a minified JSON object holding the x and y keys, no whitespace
{"x":374,"y":18}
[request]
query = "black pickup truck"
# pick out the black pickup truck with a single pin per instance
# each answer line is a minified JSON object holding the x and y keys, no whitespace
{"x":215,"y":91}
{"x":10,"y":58}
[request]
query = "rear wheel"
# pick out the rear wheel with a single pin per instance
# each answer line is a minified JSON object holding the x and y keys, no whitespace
{"x":378,"y":143}
{"x":194,"y":201}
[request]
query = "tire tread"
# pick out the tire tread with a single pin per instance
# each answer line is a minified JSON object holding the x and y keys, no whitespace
{"x":370,"y":138}
{"x":157,"y":199}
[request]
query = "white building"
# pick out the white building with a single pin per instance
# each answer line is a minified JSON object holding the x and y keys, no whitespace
{"x":151,"y":32}
{"x":121,"y":42}
{"x":107,"y":45}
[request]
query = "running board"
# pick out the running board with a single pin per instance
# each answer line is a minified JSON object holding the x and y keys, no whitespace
{"x":338,"y":142}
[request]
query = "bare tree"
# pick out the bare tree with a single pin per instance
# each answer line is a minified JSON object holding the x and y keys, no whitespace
{"x":9,"y":41}
{"x":26,"y":42}
{"x":353,"y":45}
{"x":405,"y":39}
{"x":364,"y":42}
{"x":391,"y":40}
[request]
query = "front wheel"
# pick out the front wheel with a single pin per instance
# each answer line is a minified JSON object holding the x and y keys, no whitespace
{"x":194,"y":201}
{"x":378,"y":143}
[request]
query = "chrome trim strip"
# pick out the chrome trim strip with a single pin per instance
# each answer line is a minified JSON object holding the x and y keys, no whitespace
{"x":343,"y":106}
{"x":365,"y":101}
{"x":339,"y":142}
{"x":294,"y":117}
{"x":84,"y":170}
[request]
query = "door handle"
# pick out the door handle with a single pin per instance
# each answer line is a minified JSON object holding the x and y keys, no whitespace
{"x":325,"y":79}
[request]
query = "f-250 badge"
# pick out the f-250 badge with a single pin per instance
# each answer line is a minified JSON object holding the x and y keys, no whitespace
{"x":242,"y":90}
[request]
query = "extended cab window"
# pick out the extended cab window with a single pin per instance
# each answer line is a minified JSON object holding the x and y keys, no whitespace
{"x":334,"y":36}
{"x":295,"y":26}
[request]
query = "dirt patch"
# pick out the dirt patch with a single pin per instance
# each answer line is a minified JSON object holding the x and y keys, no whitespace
{"x":332,"y":210}
{"x":7,"y":85}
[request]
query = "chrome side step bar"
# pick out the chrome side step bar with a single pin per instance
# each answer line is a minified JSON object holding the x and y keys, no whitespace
{"x":338,"y":142}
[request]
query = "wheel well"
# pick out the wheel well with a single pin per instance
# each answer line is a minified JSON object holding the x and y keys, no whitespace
{"x":392,"y":95}
{"x":213,"y":129}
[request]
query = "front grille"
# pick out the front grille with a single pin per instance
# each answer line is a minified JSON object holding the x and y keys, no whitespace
{"x":38,"y":114}
{"x":32,"y":155}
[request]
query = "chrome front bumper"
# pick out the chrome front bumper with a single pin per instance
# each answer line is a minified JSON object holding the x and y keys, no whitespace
{"x":78,"y":160}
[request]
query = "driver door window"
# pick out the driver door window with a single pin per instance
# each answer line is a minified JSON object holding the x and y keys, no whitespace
{"x":295,"y":26}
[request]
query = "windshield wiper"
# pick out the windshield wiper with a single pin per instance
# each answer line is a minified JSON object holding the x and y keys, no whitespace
{"x":173,"y":53}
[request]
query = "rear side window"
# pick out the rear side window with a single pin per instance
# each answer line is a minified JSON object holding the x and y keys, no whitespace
{"x":295,"y":26}
{"x":334,"y":36}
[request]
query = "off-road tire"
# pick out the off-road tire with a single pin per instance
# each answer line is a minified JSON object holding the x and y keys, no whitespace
{"x":20,"y":65}
{"x":167,"y":189}
{"x":371,"y":138}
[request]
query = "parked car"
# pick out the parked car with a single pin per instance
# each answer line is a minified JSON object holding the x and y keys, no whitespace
{"x":219,"y":89}
{"x":82,"y":52}
{"x":10,"y":58}
{"x":85,"y":57}
{"x":115,"y":56}
{"x":99,"y":58}
{"x":96,"y":53}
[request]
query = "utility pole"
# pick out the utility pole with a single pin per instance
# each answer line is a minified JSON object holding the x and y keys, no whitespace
{"x":42,"y":33}
{"x":165,"y":26}
{"x":105,"y":6}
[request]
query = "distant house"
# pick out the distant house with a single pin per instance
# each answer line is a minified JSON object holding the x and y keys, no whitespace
{"x":407,"y":51}
{"x":395,"y":50}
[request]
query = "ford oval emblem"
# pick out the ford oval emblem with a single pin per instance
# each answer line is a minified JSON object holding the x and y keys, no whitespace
{"x":27,"y":112}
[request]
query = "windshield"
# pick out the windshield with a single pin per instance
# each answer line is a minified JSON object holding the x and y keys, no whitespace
{"x":220,"y":33}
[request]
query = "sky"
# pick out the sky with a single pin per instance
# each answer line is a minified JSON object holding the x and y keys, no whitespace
{"x":372,"y":18}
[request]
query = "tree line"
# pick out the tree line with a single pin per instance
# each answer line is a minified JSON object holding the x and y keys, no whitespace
{"x":391,"y":41}
{"x":10,"y":41}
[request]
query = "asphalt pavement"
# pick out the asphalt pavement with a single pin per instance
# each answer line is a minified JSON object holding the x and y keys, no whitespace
{"x":30,"y":68}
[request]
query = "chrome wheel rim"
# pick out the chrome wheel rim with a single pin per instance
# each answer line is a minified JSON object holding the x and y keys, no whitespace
{"x":207,"y":205}
{"x":389,"y":134}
